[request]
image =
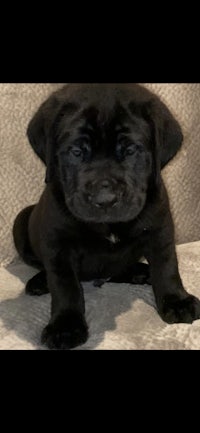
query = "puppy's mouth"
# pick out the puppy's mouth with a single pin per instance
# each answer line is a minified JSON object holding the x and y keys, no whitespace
{"x":113,"y":210}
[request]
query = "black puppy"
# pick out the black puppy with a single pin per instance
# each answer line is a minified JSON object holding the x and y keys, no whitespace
{"x":105,"y":205}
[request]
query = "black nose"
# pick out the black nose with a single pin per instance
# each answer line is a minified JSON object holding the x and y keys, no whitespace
{"x":105,"y":184}
{"x":105,"y":199}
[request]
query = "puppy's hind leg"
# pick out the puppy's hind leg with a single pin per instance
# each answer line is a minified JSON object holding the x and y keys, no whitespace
{"x":21,"y":238}
{"x":138,"y":273}
{"x":37,"y":285}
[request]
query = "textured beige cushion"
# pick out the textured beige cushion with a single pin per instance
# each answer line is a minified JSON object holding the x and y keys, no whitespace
{"x":120,"y":316}
{"x":22,"y":174}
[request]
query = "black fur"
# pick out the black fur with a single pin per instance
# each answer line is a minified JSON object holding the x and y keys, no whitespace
{"x":105,"y":205}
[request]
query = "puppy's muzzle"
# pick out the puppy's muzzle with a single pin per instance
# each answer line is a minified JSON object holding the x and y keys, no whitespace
{"x":105,"y":197}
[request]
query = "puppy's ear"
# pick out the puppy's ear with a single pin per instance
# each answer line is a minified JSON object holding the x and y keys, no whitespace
{"x":168,"y":132}
{"x":40,"y":133}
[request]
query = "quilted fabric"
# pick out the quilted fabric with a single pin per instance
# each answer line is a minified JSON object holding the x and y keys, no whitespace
{"x":120,"y":316}
{"x":22,"y":174}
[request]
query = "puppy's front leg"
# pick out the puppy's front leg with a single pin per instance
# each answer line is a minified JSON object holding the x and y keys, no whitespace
{"x":67,"y":327}
{"x":174,"y":304}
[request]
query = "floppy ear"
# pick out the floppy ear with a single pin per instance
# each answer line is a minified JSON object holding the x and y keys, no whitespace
{"x":167,"y":136}
{"x":168,"y":132}
{"x":40,"y":133}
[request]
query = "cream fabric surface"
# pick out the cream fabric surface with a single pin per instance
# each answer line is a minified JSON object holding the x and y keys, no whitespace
{"x":22,"y":173}
{"x":120,"y":316}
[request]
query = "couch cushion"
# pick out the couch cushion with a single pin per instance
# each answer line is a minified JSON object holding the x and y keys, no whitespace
{"x":120,"y":316}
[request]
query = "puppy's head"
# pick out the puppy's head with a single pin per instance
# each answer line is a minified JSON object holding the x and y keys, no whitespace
{"x":105,"y":144}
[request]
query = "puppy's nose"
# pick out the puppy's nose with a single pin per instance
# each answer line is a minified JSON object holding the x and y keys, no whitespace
{"x":105,"y":183}
{"x":105,"y":199}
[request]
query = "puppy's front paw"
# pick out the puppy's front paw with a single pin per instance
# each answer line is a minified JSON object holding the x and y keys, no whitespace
{"x":177,"y":310}
{"x":66,"y":331}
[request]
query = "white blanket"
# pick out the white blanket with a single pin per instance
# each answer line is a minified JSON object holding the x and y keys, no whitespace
{"x":120,"y":316}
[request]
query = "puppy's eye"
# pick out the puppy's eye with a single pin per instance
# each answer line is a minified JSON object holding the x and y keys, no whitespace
{"x":130,"y":150}
{"x":77,"y":151}
{"x":125,"y":148}
{"x":81,"y":149}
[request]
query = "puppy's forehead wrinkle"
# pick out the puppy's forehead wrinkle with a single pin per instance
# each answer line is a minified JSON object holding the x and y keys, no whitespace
{"x":101,"y":118}
{"x":107,"y":95}
{"x":68,"y":124}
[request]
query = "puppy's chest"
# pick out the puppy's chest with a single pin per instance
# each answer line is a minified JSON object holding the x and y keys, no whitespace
{"x":113,"y":239}
{"x":103,"y":256}
{"x":109,"y":242}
